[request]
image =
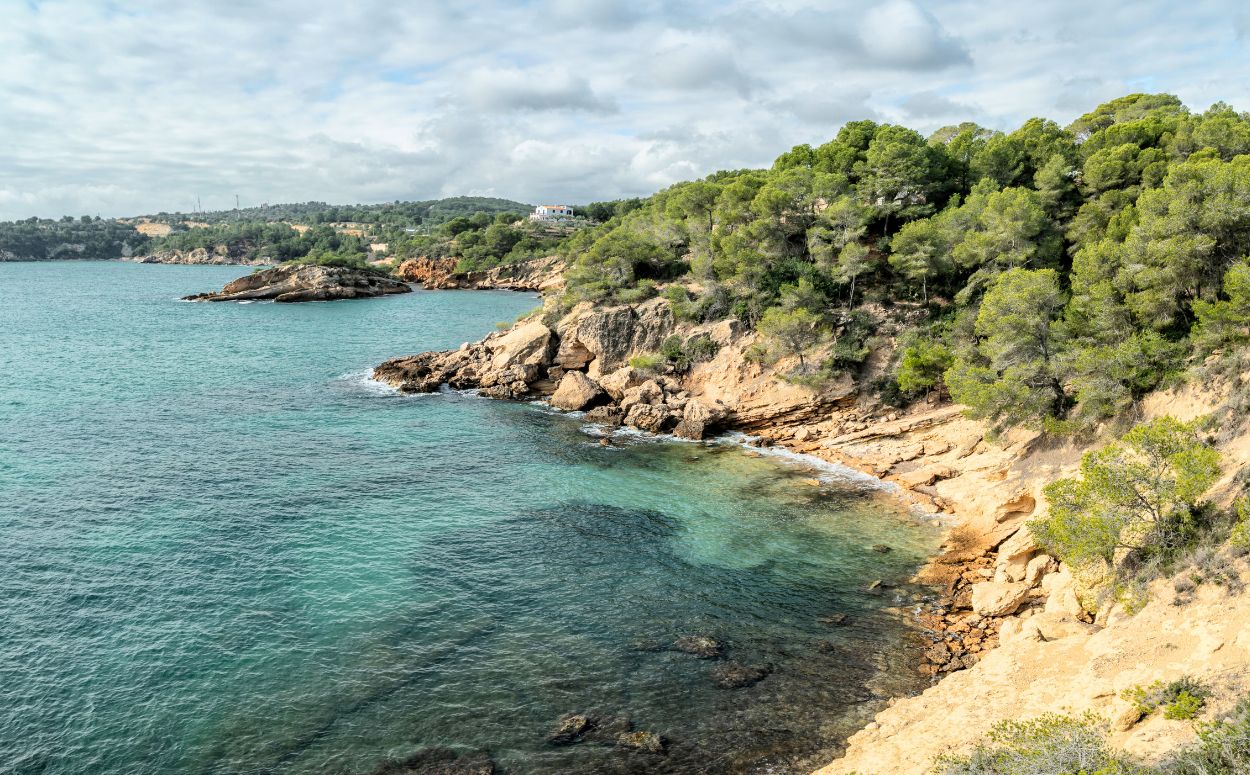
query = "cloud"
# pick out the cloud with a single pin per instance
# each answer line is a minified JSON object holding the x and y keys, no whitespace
{"x":138,"y":106}
{"x":539,"y":88}
{"x":900,"y":34}
{"x":928,"y":105}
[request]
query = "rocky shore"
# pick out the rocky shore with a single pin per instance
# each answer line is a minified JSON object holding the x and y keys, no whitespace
{"x":294,"y":283}
{"x":218,"y":256}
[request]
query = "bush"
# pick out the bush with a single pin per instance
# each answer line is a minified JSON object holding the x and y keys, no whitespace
{"x":1223,"y":747}
{"x":1141,"y":494}
{"x":1047,"y":744}
{"x":924,"y":362}
{"x":1183,"y":698}
{"x":647,"y":361}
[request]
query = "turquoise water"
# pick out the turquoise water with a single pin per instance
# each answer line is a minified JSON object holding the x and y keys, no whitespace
{"x":223,"y":550}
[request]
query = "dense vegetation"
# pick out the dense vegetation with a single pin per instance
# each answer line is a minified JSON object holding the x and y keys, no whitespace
{"x":37,"y":239}
{"x":428,"y":213}
{"x":482,"y":240}
{"x":271,"y":242}
{"x":1067,"y":744}
{"x":1057,"y":273}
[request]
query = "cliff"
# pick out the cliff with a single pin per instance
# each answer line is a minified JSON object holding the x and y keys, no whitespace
{"x":440,"y":273}
{"x":293,"y":283}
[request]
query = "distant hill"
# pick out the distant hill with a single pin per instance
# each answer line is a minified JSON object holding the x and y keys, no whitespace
{"x":428,"y":213}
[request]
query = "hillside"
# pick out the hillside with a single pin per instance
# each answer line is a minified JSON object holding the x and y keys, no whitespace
{"x":993,"y":322}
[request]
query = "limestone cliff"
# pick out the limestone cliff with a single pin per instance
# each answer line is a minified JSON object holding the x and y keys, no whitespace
{"x":440,"y":273}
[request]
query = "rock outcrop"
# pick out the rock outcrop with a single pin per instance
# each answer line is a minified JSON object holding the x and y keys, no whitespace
{"x":293,"y":282}
{"x":220,"y":255}
{"x":539,"y":274}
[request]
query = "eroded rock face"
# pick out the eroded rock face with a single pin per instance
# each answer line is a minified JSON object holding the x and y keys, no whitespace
{"x":614,"y":334}
{"x":292,"y":283}
{"x":430,"y":272}
{"x":576,"y":391}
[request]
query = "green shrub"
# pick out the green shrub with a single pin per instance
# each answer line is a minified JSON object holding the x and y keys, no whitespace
{"x":1049,"y":744}
{"x":923,"y":364}
{"x":1183,"y":698}
{"x":1223,"y":748}
{"x":1141,"y":494}
{"x":647,"y":361}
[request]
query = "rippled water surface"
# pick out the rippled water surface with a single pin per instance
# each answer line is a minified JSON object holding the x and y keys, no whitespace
{"x":222,"y":550}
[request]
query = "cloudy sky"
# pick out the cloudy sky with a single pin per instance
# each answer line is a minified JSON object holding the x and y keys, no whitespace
{"x":118,"y":107}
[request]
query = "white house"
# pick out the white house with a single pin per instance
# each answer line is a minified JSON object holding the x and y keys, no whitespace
{"x":551,"y":213}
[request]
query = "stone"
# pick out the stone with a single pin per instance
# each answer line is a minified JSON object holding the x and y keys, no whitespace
{"x":646,"y":742}
{"x":735,"y":675}
{"x":576,"y":391}
{"x":615,"y":334}
{"x":571,"y":729}
{"x":1038,"y":566}
{"x":616,"y":383}
{"x":701,"y":646}
{"x":698,"y":418}
{"x":1014,"y":555}
{"x":530,"y":344}
{"x":835,"y":620}
{"x":572,"y":354}
{"x":605,"y":415}
{"x":925,"y":476}
{"x":939,"y":653}
{"x":881,"y":549}
{"x":1061,"y":594}
{"x":997,"y":598}
{"x":653,"y":418}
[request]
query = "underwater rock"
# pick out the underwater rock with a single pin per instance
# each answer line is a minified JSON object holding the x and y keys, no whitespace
{"x":571,"y":729}
{"x":701,"y":646}
{"x":647,"y":742}
{"x":735,"y":675}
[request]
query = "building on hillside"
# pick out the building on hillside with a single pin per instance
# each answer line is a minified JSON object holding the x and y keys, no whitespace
{"x":551,"y":213}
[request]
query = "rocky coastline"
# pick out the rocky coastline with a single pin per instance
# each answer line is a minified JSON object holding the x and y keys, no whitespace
{"x":218,"y":256}
{"x":295,"y":283}
{"x":539,"y":275}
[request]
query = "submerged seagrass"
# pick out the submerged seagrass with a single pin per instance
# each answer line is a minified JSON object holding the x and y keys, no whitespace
{"x":227,"y":551}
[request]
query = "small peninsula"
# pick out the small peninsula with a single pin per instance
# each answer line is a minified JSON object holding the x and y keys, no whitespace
{"x":296,"y":282}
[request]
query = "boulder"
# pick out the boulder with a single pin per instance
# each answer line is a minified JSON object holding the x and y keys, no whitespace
{"x":616,"y":383}
{"x":648,"y":392}
{"x":572,"y":354}
{"x":735,"y":675}
{"x":605,"y":415}
{"x":1014,"y":555}
{"x":571,"y":729}
{"x":653,"y":418}
{"x":576,"y":391}
{"x":531,"y":344}
{"x":925,"y":476}
{"x":1061,"y":594}
{"x":701,"y":646}
{"x":997,"y":598}
{"x":422,"y":373}
{"x":698,"y":418}
{"x":647,"y":742}
{"x":614,"y":334}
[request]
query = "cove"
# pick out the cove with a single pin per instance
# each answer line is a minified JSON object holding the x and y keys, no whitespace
{"x":224,"y":550}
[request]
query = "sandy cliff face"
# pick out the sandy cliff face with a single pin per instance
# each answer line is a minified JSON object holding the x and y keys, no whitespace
{"x":440,"y":273}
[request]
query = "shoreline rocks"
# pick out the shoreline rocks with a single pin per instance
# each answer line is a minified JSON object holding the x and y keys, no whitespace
{"x":295,"y":283}
{"x":440,"y":273}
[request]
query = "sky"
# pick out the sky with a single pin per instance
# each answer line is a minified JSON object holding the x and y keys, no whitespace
{"x":118,"y":108}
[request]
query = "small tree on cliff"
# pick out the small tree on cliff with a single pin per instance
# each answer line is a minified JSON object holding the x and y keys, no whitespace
{"x":791,"y":332}
{"x":1141,"y":493}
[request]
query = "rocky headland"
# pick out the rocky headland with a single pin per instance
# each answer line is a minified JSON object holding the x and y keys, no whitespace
{"x":295,"y":282}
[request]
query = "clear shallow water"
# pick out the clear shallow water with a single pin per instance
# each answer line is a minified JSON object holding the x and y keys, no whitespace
{"x":224,"y":551}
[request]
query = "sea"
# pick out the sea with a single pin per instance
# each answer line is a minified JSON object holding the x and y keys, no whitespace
{"x":225,"y":549}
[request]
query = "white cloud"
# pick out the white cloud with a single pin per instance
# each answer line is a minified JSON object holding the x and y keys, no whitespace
{"x":140,"y":105}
